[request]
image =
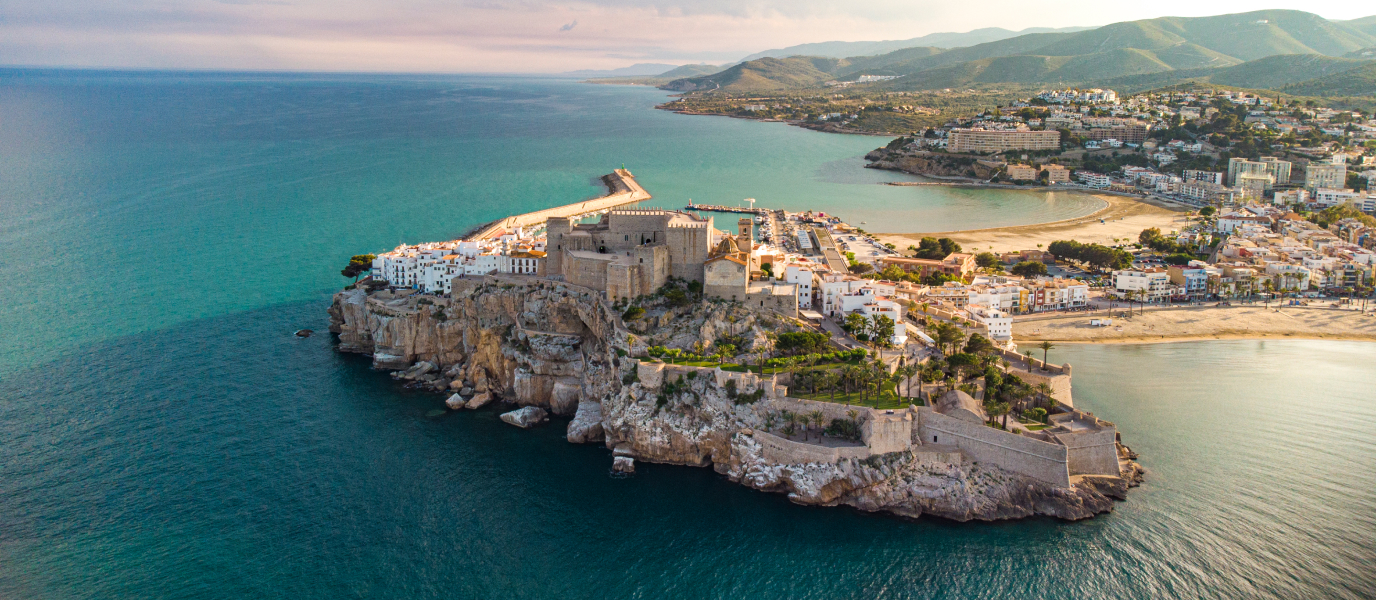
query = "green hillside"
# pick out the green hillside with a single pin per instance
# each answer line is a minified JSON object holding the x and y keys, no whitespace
{"x":904,"y":65}
{"x":1188,"y":55}
{"x":690,"y":71}
{"x":1262,"y":49}
{"x":1123,"y":61}
{"x":1245,"y":36}
{"x":1360,"y":81}
{"x":1275,"y":72}
{"x":765,"y":74}
{"x":1365,"y":25}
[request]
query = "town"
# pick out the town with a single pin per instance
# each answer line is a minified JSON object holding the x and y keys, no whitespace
{"x":1200,"y":148}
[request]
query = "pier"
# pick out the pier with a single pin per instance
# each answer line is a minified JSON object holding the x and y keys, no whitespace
{"x":622,"y":190}
{"x":727,"y":209}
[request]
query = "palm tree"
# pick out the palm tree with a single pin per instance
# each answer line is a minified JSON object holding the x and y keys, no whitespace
{"x":1046,"y":349}
{"x":908,"y":372}
{"x":1045,"y":390}
{"x":816,"y":418}
{"x":848,"y":375}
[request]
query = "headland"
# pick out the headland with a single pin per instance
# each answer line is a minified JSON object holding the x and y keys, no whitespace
{"x":669,"y":341}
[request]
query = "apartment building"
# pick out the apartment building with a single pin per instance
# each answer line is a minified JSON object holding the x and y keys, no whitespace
{"x":1001,"y":140}
{"x":1325,"y":175}
{"x":1148,"y":285}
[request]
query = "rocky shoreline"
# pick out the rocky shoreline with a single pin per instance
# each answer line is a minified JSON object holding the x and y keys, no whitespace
{"x":561,"y":349}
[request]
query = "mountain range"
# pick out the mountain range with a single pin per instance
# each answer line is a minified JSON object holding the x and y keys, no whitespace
{"x":938,"y":40}
{"x":1270,"y":49}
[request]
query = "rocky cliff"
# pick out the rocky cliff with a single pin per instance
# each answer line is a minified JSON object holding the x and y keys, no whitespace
{"x":562,"y":348}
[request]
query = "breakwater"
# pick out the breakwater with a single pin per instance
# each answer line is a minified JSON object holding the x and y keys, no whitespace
{"x":622,"y":189}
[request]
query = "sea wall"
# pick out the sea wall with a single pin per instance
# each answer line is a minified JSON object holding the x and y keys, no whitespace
{"x":1040,"y":460}
{"x":782,"y":451}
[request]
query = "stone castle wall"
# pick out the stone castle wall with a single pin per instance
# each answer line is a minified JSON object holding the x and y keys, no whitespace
{"x":784,"y":304}
{"x":780,"y":451}
{"x":688,"y":247}
{"x":1091,"y":453}
{"x":1040,"y":460}
{"x":587,"y":271}
{"x":653,"y":375}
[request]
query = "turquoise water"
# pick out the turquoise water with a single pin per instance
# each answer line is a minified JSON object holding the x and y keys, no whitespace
{"x":131,"y":202}
{"x":164,"y":436}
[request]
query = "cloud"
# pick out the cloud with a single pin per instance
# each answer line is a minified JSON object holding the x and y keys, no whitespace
{"x":569,"y":26}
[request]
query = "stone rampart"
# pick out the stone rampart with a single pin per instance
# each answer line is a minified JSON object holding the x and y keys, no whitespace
{"x":1040,"y":460}
{"x":1091,"y":453}
{"x":884,"y":433}
{"x":830,"y":410}
{"x":654,"y":374}
{"x":780,"y":451}
{"x":1034,"y":363}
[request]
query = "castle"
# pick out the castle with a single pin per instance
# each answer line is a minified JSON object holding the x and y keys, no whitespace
{"x":630,"y":253}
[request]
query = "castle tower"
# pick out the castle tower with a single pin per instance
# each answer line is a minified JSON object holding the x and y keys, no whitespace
{"x":555,"y":230}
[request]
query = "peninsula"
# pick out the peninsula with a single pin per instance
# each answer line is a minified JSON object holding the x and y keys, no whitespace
{"x":670,"y":341}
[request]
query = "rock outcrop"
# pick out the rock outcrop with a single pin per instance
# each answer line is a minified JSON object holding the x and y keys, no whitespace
{"x":525,"y":418}
{"x":552,"y":347}
{"x":586,"y":426}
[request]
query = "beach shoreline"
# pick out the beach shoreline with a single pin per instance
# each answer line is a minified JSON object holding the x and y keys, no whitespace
{"x":1203,"y":324}
{"x":1121,"y":218}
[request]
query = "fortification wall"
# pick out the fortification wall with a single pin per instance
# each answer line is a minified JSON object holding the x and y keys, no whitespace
{"x":654,"y":374}
{"x":1035,"y":363}
{"x":781,"y":451}
{"x":1091,"y":453}
{"x":884,"y":433}
{"x":688,"y":247}
{"x":1009,"y":451}
{"x":587,"y":272}
{"x":786,"y":304}
{"x":830,"y":410}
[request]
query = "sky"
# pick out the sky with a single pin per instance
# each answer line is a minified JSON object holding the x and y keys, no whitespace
{"x":516,"y":36}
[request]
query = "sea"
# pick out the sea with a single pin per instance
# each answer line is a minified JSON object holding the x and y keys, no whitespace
{"x":164,"y":435}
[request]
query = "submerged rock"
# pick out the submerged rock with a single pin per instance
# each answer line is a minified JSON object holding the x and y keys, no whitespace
{"x":527,"y":417}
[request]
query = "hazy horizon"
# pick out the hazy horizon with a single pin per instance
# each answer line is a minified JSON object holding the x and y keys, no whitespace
{"x":506,"y":37}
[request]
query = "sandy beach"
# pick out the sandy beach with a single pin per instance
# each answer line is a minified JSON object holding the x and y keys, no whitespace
{"x":1123,"y":218}
{"x":1201,"y":323}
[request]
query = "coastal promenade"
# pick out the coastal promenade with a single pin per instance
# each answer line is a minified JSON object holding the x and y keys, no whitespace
{"x":622,"y":190}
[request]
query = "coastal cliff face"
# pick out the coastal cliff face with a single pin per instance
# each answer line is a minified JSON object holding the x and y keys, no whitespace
{"x":559,"y":347}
